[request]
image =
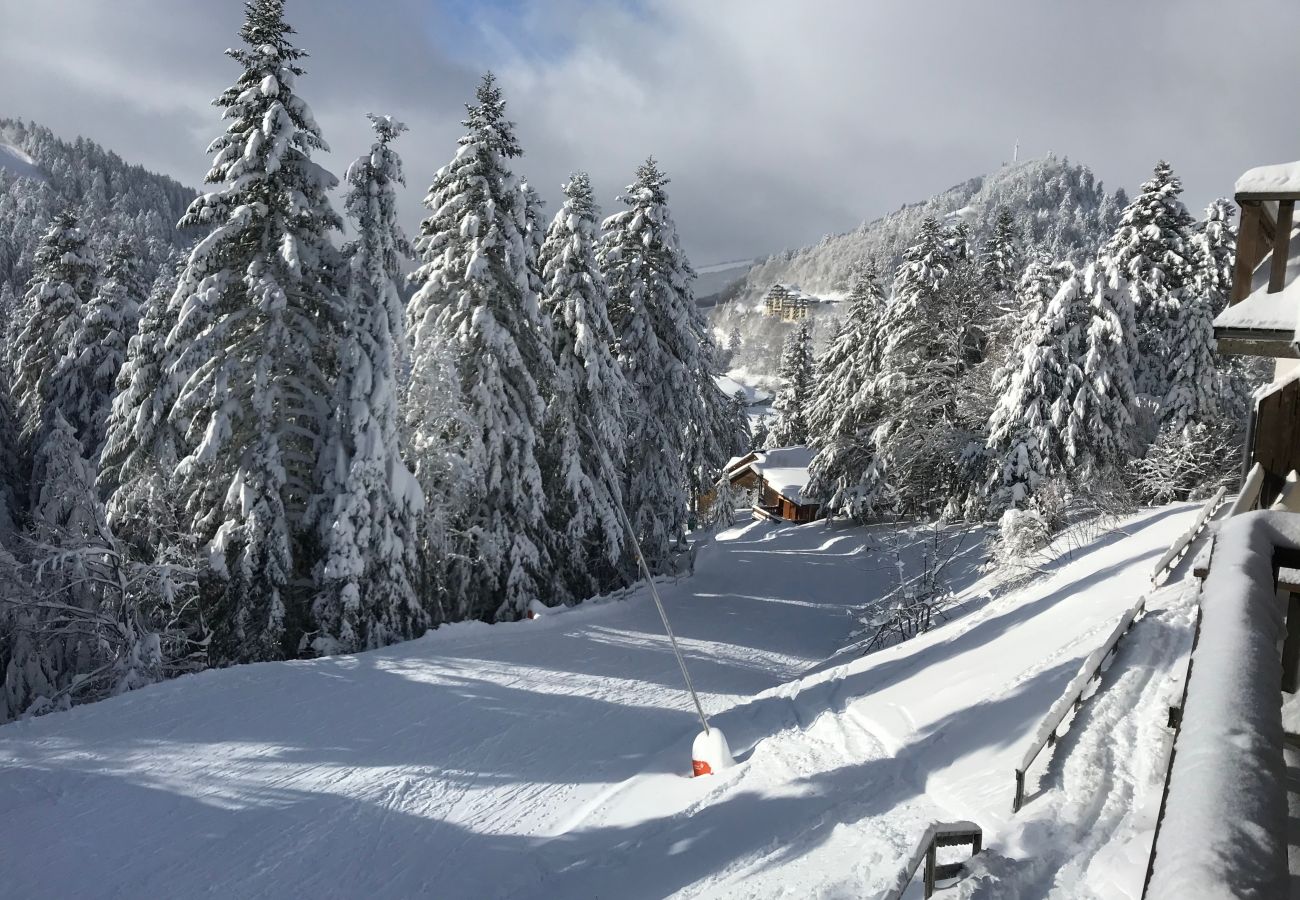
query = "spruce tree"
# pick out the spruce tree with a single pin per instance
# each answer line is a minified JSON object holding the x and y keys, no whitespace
{"x":677,"y":412}
{"x":258,"y":302}
{"x":585,"y":432}
{"x":1195,"y":385}
{"x":12,"y":475}
{"x":85,"y":377}
{"x":1037,"y":384}
{"x":920,"y":363}
{"x":999,"y":258}
{"x":844,"y":406}
{"x":1150,"y":250}
{"x":1214,"y":252}
{"x":369,"y":502}
{"x":141,"y":447}
{"x":1097,"y":431}
{"x":791,"y":407}
{"x":476,"y":301}
{"x":62,"y":284}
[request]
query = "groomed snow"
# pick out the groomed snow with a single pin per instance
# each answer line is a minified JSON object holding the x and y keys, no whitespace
{"x":549,"y":758}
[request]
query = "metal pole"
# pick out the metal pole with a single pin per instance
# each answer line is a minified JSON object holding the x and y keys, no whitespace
{"x":654,"y":592}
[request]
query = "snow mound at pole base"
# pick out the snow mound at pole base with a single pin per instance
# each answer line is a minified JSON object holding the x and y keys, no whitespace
{"x":710,"y":753}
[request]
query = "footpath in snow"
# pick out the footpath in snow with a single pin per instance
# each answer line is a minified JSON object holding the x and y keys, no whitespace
{"x":549,"y":758}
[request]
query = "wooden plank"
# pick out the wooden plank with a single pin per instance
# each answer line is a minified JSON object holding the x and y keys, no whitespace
{"x":1249,"y":492}
{"x":1281,"y":246}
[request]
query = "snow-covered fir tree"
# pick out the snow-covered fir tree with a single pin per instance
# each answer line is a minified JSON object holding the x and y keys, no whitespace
{"x":476,"y":301}
{"x":791,"y":407}
{"x":1037,"y":384}
{"x":12,"y":475}
{"x":85,"y":377}
{"x":914,"y":460}
{"x":51,"y":313}
{"x":1150,"y":250}
{"x":1195,"y":385}
{"x":677,"y":414}
{"x":1000,"y":258}
{"x":258,"y":302}
{"x":369,"y":503}
{"x":141,"y":447}
{"x":47,"y":648}
{"x":1214,"y":252}
{"x":844,"y":407}
{"x":1098,"y":431}
{"x":583,"y":453}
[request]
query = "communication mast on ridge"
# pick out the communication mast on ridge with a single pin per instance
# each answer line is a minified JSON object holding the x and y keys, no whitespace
{"x":1015,"y":153}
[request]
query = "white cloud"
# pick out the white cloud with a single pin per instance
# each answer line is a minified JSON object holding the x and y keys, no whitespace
{"x":777,"y":121}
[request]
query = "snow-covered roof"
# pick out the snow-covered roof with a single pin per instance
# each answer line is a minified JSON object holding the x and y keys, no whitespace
{"x":1283,"y":178}
{"x":785,"y":470}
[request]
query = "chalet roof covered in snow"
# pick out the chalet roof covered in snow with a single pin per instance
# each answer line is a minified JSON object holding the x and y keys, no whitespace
{"x":1283,"y":178}
{"x":785,"y":469}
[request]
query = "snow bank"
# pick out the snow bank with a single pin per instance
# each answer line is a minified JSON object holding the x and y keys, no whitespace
{"x":1283,"y":178}
{"x":1225,"y":825}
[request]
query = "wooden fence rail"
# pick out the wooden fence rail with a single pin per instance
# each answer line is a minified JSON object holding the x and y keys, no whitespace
{"x":1072,"y":699}
{"x":1176,"y":550}
{"x":949,"y":834}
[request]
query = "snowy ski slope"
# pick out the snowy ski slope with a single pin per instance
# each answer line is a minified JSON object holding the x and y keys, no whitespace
{"x":549,"y":758}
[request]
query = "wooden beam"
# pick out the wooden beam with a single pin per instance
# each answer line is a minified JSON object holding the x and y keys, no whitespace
{"x":1242,"y":342}
{"x":1249,"y":251}
{"x":1281,"y":245}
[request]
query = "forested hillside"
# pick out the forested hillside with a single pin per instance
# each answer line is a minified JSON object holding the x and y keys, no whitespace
{"x":1058,"y":207}
{"x":42,"y":175}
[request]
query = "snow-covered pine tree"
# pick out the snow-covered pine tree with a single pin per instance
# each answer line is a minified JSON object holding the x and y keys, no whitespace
{"x":844,"y":408}
{"x":1214,"y":252}
{"x":45,"y":652}
{"x":141,"y":446}
{"x":12,"y":475}
{"x":85,"y":377}
{"x":62,"y":284}
{"x":583,"y":450}
{"x":1037,"y":384}
{"x":734,"y":341}
{"x":1150,"y":250}
{"x":258,"y":304}
{"x":677,"y":415}
{"x":791,"y":406}
{"x":1195,"y":384}
{"x":369,"y":503}
{"x":476,"y":301}
{"x":1097,"y":431}
{"x":920,"y":362}
{"x":1000,"y":259}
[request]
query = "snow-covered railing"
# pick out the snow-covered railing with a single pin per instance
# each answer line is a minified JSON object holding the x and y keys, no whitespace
{"x":949,"y":834}
{"x":1222,"y":830}
{"x":1184,"y":541}
{"x":1248,"y":499}
{"x":1072,"y":699}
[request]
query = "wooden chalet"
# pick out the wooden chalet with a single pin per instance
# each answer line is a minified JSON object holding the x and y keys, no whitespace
{"x":1263,"y":316}
{"x":776,"y":478}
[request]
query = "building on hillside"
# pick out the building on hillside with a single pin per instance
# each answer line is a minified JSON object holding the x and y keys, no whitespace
{"x":787,"y":303}
{"x":775,"y":479}
{"x":1263,"y":316}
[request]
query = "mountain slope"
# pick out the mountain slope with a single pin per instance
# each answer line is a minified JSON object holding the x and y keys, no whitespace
{"x":1059,"y":207}
{"x":42,"y":174}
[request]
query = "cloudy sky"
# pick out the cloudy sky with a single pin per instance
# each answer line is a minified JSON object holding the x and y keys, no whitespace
{"x":778,"y":121}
